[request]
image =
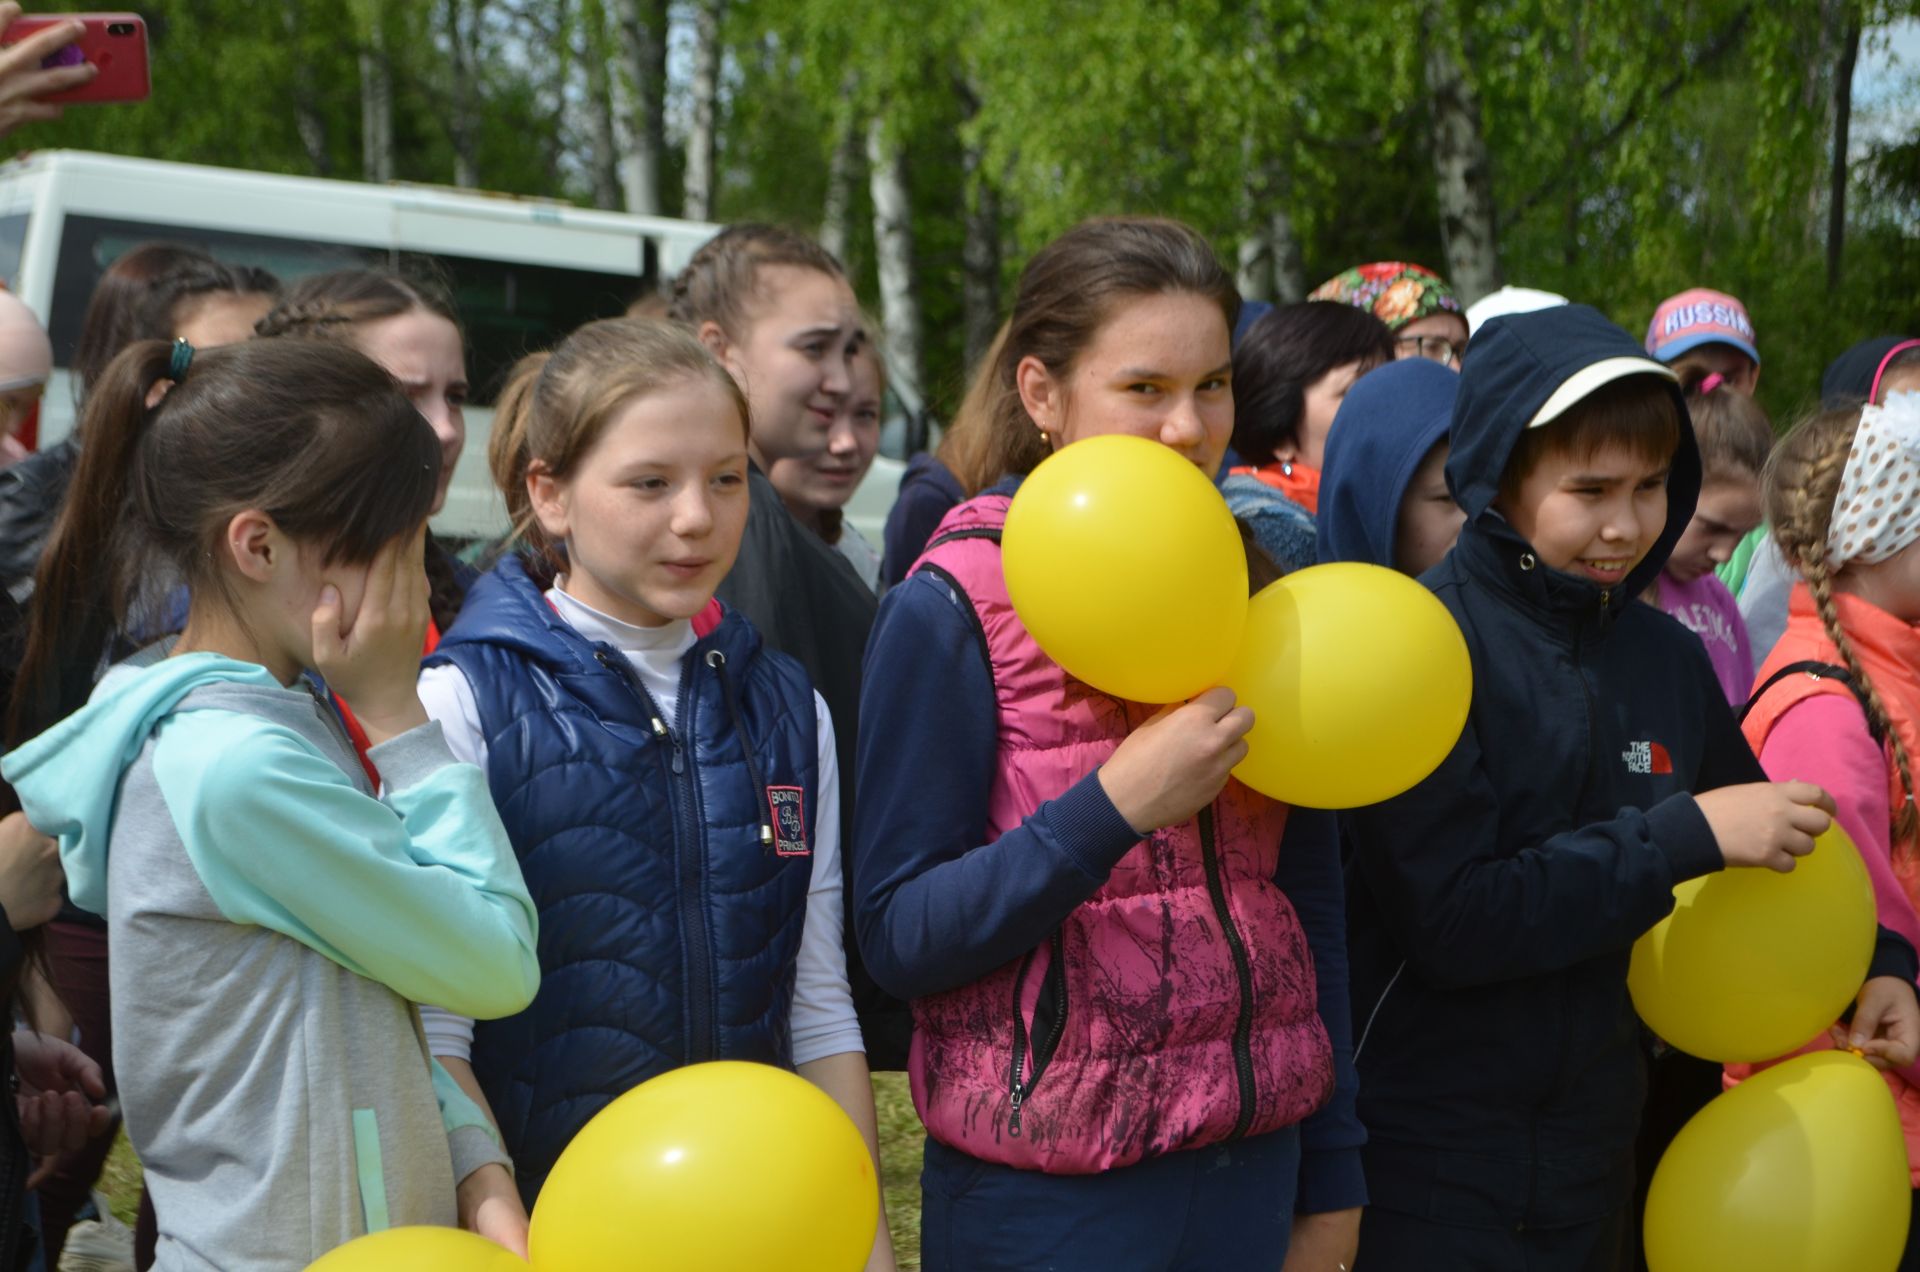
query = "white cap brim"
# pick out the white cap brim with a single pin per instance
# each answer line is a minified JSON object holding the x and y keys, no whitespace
{"x":1589,"y":379}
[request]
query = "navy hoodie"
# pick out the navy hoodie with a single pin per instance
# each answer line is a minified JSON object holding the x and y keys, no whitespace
{"x":1390,"y":420}
{"x":1494,"y":905}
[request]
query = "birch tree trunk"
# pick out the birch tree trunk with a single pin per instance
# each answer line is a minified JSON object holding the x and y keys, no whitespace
{"x":307,"y":119}
{"x":640,"y":93}
{"x":1842,"y":124}
{"x":376,"y":100}
{"x":463,"y":122}
{"x":602,"y":142}
{"x":980,"y":245}
{"x":893,"y":251}
{"x":698,"y":200}
{"x":1463,"y":175}
{"x":1289,"y":269}
{"x":841,"y":170}
{"x":980,"y":260}
{"x":1253,"y":274}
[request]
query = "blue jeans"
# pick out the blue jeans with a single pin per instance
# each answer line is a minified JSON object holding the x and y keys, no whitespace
{"x":1228,"y":1208}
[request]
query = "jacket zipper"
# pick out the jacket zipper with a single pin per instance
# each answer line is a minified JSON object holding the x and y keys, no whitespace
{"x":689,"y":854}
{"x":1243,"y":1027}
{"x":1022,"y":1086}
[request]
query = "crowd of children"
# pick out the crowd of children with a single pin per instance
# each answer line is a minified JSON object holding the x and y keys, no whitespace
{"x":409,"y":867}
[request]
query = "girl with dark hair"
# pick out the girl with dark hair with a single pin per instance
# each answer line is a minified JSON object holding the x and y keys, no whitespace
{"x":1291,"y":370}
{"x":156,"y":291}
{"x":409,"y":327}
{"x":1117,"y":1036}
{"x":272,"y":919}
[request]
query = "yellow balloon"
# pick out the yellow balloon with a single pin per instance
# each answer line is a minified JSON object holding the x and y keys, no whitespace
{"x":1123,"y":562}
{"x":1801,"y":1168}
{"x":418,"y":1250}
{"x":1359,"y":682}
{"x":725,"y":1167}
{"x":1753,"y":964}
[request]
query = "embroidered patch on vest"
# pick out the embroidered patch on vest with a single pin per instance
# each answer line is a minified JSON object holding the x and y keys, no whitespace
{"x":789,"y":809}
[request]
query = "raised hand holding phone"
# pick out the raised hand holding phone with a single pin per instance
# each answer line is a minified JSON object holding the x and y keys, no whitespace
{"x":56,"y":59}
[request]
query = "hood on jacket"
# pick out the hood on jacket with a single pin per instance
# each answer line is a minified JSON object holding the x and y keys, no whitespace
{"x":1391,"y":418}
{"x":68,"y":778}
{"x":1849,"y":378}
{"x":1524,"y":364}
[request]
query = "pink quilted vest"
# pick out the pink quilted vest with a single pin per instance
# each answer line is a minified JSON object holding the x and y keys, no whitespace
{"x":1173,"y":1009}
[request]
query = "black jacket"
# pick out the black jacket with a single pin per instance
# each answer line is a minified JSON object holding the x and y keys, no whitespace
{"x":1494,"y":906}
{"x":31,"y":493}
{"x":808,"y":603}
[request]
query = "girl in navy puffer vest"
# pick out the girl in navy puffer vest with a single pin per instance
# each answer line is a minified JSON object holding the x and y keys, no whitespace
{"x":669,"y":784}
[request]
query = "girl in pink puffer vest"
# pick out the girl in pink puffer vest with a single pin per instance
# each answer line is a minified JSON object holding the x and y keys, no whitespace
{"x":1116,"y":1027}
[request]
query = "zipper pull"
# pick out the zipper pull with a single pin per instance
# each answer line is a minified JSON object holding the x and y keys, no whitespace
{"x":1013,"y":1119}
{"x":660,"y":730}
{"x":1605,"y":596}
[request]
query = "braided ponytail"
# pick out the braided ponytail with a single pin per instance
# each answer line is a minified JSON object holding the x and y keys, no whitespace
{"x":1802,"y":485}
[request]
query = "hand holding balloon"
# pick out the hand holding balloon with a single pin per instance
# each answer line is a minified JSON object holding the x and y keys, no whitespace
{"x":1172,"y":766}
{"x":1886,"y":1024}
{"x":1766,"y":823}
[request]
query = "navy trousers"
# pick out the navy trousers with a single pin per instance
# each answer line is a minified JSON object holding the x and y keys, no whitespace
{"x":1228,"y":1208}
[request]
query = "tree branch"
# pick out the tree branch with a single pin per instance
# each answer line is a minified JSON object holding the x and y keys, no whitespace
{"x":1713,"y":51}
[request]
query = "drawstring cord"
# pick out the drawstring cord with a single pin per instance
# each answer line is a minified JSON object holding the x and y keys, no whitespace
{"x":718,"y":661}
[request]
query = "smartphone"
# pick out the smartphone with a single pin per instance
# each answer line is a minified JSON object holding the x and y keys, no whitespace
{"x":114,"y":42}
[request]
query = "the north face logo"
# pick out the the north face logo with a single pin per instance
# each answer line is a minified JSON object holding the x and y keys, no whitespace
{"x":1647,"y":757}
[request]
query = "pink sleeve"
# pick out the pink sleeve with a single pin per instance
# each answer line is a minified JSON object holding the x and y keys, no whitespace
{"x":1824,"y":740}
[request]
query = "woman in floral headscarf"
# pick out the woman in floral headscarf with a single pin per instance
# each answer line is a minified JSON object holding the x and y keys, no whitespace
{"x":1426,"y":318}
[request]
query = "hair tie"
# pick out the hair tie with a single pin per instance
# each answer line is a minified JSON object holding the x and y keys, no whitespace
{"x":1712,"y":382}
{"x":180,"y":360}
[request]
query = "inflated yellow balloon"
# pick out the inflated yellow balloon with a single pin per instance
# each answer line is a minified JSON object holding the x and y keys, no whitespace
{"x":1801,"y":1168}
{"x":1753,"y":964}
{"x":418,"y":1250}
{"x":1359,"y":682}
{"x":1123,"y":562}
{"x":725,"y":1167}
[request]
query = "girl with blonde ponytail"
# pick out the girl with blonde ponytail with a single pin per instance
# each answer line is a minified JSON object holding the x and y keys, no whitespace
{"x":1838,"y":699}
{"x":669,"y":780}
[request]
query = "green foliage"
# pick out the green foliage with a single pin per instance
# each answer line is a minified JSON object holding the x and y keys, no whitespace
{"x":1635,"y":150}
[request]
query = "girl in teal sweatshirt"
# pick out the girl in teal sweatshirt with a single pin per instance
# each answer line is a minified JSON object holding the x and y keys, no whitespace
{"x":275,"y":905}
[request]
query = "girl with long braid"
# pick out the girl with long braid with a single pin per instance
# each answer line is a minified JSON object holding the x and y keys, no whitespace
{"x":1838,"y":702}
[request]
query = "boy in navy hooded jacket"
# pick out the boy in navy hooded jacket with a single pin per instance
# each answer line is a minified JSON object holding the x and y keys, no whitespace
{"x":1495,"y":904}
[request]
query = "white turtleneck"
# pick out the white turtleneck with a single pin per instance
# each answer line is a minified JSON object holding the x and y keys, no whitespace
{"x":823,"y":1022}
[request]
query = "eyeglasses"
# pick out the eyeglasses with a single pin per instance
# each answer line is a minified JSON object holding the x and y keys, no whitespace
{"x":1432,"y":348}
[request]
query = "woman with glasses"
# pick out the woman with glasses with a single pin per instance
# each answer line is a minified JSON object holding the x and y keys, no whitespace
{"x":1426,"y":318}
{"x":1291,"y":370}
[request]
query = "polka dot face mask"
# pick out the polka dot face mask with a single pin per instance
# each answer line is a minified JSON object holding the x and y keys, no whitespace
{"x":1878,"y":510}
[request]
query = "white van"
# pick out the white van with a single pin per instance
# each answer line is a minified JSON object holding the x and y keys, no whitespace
{"x":523,"y":271}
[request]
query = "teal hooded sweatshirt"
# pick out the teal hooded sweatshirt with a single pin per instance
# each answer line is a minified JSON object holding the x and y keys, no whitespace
{"x":273,"y":922}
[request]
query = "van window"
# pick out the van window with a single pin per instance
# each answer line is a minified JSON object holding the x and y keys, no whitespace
{"x":13,"y":239}
{"x":509,"y":309}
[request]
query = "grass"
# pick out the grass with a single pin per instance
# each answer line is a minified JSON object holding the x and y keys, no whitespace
{"x":901,"y":1138}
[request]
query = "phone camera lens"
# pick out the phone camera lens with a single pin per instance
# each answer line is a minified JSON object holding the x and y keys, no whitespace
{"x":122,"y":28}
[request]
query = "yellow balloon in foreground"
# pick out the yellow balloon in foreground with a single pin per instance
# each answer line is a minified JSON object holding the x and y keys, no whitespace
{"x":1359,"y":682}
{"x":1801,"y":1168}
{"x":1123,"y":562}
{"x":418,"y":1250}
{"x":1753,"y":964}
{"x":724,"y":1167}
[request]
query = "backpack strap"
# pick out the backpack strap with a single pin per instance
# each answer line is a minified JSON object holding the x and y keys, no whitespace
{"x":1819,"y":671}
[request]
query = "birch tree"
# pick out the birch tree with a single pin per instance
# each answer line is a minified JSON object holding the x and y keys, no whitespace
{"x":697,"y":202}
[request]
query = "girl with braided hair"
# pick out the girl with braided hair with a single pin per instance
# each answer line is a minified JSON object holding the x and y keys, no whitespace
{"x":1838,"y":702}
{"x":411,"y":329}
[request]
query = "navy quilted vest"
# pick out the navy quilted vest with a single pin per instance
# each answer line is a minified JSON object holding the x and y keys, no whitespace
{"x":671,"y":868}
